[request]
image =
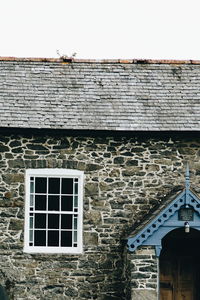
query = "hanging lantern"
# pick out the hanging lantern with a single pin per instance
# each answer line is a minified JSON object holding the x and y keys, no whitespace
{"x":187,"y":227}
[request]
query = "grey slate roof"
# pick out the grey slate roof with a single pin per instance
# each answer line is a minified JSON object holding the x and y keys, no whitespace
{"x":100,"y":95}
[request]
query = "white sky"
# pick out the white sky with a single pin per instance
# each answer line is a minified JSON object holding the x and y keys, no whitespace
{"x":158,"y":29}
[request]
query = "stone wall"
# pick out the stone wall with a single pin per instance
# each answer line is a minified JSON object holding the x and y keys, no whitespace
{"x":143,"y":266}
{"x":125,"y":176}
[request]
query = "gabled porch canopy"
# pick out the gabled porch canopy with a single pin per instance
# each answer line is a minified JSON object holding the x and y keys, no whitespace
{"x":183,"y":211}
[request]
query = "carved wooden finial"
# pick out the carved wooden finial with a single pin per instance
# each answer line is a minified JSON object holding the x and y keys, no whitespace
{"x":187,"y":177}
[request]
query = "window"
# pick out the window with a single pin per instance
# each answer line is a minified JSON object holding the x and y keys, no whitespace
{"x":53,"y":214}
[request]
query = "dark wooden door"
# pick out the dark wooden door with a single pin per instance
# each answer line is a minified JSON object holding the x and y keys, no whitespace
{"x":166,"y":280}
{"x":179,"y":278}
{"x":180,"y":266}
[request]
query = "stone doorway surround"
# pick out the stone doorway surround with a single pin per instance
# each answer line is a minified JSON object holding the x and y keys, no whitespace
{"x":181,"y":210}
{"x":144,"y":274}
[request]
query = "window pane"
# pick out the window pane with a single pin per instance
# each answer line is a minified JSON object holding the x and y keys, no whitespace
{"x":67,"y":186}
{"x":75,"y":236}
{"x":53,"y":203}
{"x":53,"y":221}
{"x":53,"y":238}
{"x":31,"y":222}
{"x":75,"y":201}
{"x":31,"y":235}
{"x":66,"y":238}
{"x":67,"y":203}
{"x":40,"y":185}
{"x":40,"y":221}
{"x":76,"y":188}
{"x":66,"y":221}
{"x":54,"y":185}
{"x":40,"y":238}
{"x":31,"y":200}
{"x":75,"y":223}
{"x":31,"y":187}
{"x":40,"y":202}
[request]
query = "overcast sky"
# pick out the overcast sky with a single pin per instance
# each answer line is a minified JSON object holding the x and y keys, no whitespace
{"x":158,"y":29}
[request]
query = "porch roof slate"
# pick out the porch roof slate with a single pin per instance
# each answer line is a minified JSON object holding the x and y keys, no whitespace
{"x":130,"y":95}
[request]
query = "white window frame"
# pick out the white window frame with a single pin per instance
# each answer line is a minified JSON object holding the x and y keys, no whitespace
{"x":66,"y":173}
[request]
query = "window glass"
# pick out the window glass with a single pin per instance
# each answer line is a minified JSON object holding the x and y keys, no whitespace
{"x":66,"y":221}
{"x":40,"y":238}
{"x":67,"y":186}
{"x":40,"y":202}
{"x":53,"y":202}
{"x":53,"y":221}
{"x":40,"y":221}
{"x":67,"y":203}
{"x":54,"y":185}
{"x":66,"y":238}
{"x":53,"y":238}
{"x":40,"y":185}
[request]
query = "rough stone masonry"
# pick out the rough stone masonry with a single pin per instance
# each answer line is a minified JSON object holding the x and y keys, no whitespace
{"x":125,"y":176}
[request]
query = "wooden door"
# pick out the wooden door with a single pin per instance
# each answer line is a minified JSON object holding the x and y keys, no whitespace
{"x":166,"y":279}
{"x":186,"y":279}
{"x":180,"y":265}
{"x":178,"y":278}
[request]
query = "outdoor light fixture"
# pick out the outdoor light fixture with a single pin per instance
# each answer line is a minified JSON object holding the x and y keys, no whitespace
{"x":187,"y":227}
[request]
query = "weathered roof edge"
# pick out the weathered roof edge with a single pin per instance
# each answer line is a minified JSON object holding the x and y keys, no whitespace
{"x":103,"y":61}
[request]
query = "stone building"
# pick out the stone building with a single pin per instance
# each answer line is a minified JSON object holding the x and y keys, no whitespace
{"x":95,"y":198}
